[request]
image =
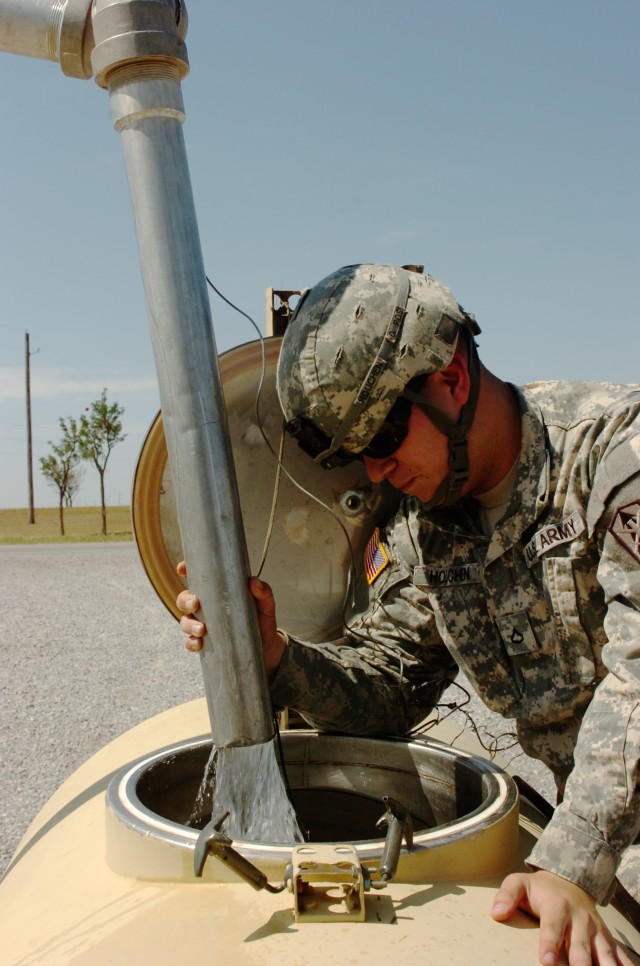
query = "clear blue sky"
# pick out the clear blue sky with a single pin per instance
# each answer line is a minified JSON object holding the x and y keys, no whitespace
{"x":495,"y":142}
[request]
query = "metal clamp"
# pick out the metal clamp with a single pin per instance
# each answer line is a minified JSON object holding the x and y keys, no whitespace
{"x":399,"y":826}
{"x":213,"y":841}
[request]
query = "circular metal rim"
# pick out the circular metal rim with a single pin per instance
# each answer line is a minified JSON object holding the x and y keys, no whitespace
{"x":123,"y":801}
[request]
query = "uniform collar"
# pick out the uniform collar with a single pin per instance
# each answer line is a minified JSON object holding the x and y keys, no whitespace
{"x":531,"y":486}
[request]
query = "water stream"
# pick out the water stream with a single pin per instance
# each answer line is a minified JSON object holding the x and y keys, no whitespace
{"x":246,"y":782}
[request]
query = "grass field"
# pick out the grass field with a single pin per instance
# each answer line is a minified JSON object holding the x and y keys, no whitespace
{"x":81,"y":524}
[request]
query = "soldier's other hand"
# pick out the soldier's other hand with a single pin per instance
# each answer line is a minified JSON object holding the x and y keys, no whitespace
{"x":568,"y":919}
{"x":273,"y":641}
{"x":188,"y":603}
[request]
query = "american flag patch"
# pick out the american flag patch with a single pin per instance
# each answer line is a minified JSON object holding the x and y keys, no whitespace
{"x":376,"y":557}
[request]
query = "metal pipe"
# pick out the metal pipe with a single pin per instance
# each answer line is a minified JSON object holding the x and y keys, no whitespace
{"x":58,"y":30}
{"x":135,"y":49}
{"x":140,"y":57}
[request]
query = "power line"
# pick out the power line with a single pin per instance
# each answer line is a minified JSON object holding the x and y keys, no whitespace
{"x":27,"y":356}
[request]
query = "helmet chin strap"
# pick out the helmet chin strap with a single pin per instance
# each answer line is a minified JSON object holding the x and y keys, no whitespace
{"x":450,"y":489}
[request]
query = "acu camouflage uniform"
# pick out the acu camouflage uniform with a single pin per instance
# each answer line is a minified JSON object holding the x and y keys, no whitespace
{"x":543,"y":617}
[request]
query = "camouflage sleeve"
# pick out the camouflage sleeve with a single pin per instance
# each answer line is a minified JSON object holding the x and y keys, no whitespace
{"x":387,"y":671}
{"x":600,"y":813}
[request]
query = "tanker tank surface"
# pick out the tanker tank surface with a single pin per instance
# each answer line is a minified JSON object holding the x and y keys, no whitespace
{"x":100,"y":882}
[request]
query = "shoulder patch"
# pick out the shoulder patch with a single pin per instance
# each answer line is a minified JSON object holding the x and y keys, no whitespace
{"x":625,"y":527}
{"x":376,"y":557}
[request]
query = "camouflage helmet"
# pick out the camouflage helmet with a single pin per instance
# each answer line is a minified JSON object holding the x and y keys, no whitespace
{"x":355,"y":341}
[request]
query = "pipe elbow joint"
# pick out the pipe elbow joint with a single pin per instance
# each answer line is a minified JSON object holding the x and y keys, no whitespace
{"x":146,"y":36}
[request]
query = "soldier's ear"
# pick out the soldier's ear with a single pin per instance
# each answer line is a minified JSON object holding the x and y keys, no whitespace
{"x":456,"y":379}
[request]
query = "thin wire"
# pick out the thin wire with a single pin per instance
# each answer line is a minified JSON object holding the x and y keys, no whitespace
{"x":274,"y":502}
{"x":263,"y":369}
{"x":278,"y":456}
{"x":498,"y":744}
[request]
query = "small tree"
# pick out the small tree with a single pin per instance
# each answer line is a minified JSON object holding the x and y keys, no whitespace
{"x":59,"y":468}
{"x":98,"y":434}
{"x":73,"y":488}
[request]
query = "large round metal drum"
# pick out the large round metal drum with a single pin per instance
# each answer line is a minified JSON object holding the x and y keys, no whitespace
{"x":313,"y":522}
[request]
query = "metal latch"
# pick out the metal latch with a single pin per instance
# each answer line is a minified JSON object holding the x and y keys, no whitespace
{"x":328,"y":882}
{"x":399,"y":826}
{"x":213,"y":841}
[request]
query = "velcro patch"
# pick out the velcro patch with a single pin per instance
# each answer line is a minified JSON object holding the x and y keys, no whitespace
{"x":516,"y":633}
{"x":454,"y":576}
{"x":625,"y":527}
{"x":553,"y":536}
{"x":376,"y":557}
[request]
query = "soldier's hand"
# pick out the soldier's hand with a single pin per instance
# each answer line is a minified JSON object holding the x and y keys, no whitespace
{"x":568,"y":919}
{"x":273,"y":641}
{"x":188,"y":603}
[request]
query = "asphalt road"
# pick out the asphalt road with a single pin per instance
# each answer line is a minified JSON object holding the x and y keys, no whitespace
{"x":88,"y":651}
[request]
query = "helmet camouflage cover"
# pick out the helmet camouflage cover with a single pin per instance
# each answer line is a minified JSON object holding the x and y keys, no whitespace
{"x":354,"y":342}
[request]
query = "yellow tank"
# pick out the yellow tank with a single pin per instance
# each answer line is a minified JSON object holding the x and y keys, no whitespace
{"x":86,"y":886}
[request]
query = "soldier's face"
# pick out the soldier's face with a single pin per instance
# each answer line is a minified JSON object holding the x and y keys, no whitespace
{"x":421,"y":462}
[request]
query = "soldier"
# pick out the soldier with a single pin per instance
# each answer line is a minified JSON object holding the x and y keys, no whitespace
{"x":515,"y":556}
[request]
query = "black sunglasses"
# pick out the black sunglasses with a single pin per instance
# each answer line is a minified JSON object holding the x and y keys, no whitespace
{"x":384,"y":444}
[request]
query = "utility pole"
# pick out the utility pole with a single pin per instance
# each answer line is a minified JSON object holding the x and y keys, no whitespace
{"x":27,"y":354}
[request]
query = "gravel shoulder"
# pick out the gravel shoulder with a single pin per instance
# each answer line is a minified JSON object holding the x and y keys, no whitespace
{"x":88,"y":651}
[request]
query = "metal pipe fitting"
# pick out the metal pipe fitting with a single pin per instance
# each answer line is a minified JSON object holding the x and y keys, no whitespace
{"x":139,"y":34}
{"x":58,"y":30}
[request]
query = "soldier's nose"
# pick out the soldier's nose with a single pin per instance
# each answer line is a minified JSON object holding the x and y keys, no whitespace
{"x":378,"y":470}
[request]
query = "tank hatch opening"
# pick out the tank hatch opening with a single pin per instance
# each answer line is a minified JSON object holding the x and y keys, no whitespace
{"x":416,"y":810}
